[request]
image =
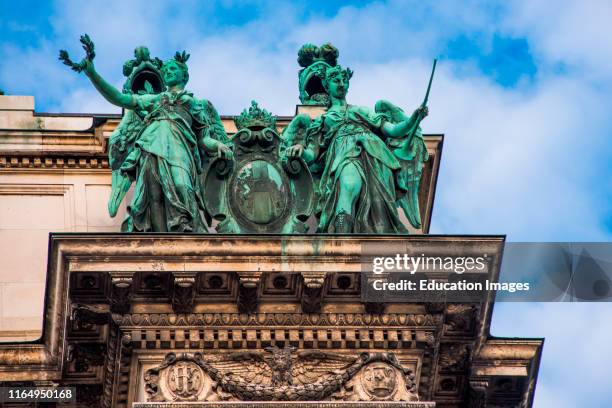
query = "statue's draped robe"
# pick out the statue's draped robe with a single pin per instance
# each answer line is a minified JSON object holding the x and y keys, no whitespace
{"x":168,"y":153}
{"x":353,"y":135}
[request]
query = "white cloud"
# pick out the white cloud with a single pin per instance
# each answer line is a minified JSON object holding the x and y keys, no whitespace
{"x":576,"y":33}
{"x":530,"y":161}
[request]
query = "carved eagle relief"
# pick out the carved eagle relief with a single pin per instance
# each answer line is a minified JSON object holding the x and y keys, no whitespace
{"x":280,"y":375}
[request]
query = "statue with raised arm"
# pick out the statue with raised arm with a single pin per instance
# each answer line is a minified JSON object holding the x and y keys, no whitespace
{"x":164,"y":155}
{"x":361,"y":181}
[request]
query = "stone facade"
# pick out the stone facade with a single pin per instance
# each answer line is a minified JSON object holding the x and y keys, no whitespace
{"x":54,"y":177}
{"x":150,"y":320}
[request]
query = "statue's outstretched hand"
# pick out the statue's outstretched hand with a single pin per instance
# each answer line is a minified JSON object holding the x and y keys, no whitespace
{"x":422,"y":111}
{"x":224,"y":152}
{"x":295,"y":151}
{"x":86,"y":63}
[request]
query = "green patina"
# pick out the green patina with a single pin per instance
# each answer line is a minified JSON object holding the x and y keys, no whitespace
{"x":262,"y":190}
{"x":368,"y":161}
{"x":161,"y":144}
{"x":314,"y":62}
{"x":353,"y":166}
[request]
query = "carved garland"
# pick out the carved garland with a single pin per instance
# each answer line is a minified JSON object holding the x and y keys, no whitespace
{"x":191,"y":378}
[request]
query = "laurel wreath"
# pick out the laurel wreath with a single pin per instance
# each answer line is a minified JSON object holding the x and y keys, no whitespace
{"x":90,"y":54}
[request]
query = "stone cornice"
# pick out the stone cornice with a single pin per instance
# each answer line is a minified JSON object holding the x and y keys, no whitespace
{"x":128,"y":253}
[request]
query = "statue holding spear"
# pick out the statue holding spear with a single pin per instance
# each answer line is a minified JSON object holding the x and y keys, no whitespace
{"x":367,"y":161}
{"x":411,"y":152}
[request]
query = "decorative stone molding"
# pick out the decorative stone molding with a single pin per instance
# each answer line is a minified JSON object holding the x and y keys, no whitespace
{"x":314,"y":279}
{"x":37,"y":162}
{"x":312,"y":292}
{"x":460,"y":318}
{"x":280,"y":376}
{"x":342,"y":330}
{"x":273,"y":320}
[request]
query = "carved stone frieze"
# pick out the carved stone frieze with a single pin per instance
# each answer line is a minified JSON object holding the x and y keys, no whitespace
{"x":280,"y":363}
{"x":381,"y":381}
{"x":400,"y":320}
{"x":280,"y":375}
{"x":260,"y":330}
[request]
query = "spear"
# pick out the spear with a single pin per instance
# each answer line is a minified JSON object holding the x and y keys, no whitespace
{"x":433,"y":70}
{"x":403,"y":152}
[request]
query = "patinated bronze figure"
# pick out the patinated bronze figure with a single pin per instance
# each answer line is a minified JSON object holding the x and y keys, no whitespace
{"x":166,"y":156}
{"x":360,"y":181}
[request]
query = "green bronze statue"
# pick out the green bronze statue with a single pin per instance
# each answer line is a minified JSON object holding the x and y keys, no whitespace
{"x":162,"y":145}
{"x":370,"y":161}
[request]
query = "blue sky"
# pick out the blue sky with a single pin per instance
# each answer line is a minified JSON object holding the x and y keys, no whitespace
{"x":523,"y":93}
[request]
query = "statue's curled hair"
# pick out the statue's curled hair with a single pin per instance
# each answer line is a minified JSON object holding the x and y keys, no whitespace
{"x":333,"y":72}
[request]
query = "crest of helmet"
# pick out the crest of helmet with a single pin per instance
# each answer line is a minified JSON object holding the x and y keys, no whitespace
{"x":314,"y":62}
{"x":143,"y":73}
